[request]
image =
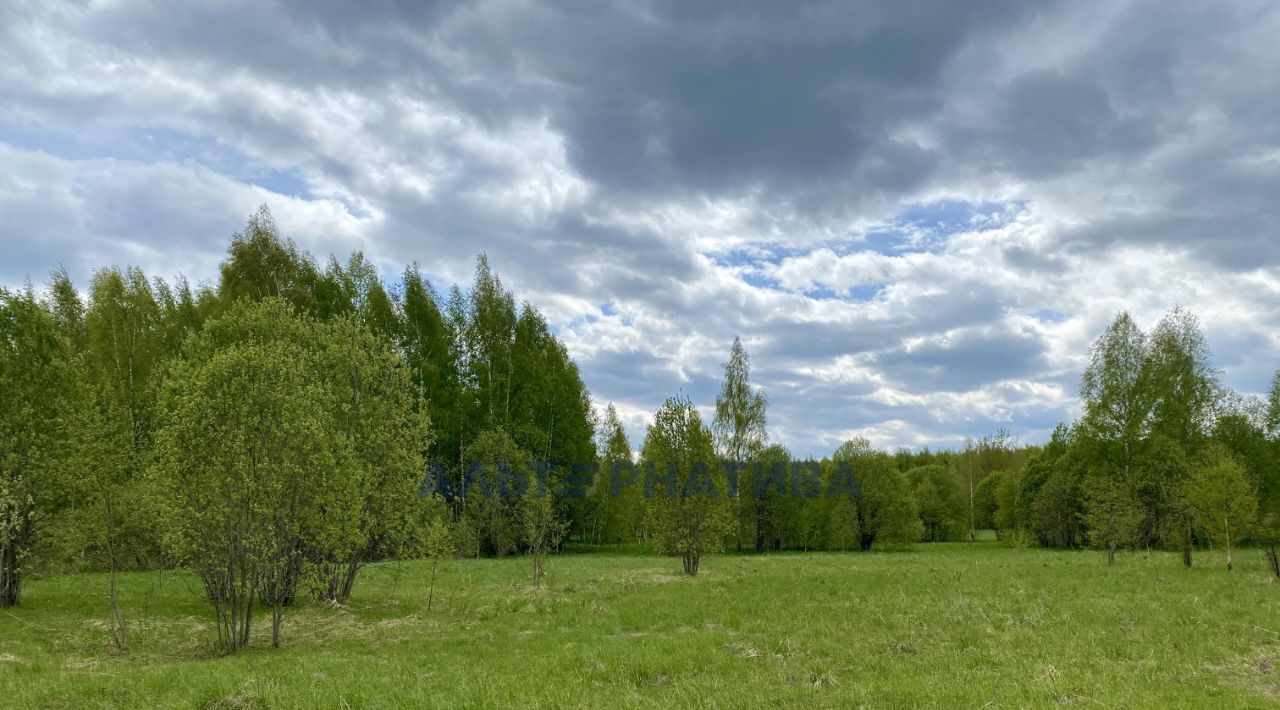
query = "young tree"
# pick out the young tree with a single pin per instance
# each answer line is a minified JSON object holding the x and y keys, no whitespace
{"x":42,"y":403}
{"x":439,"y":548}
{"x":541,"y":530}
{"x":689,"y":509}
{"x":495,"y":480}
{"x":1113,"y":515}
{"x":1222,"y":503}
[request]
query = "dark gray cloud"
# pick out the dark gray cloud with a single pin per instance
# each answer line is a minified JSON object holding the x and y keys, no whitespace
{"x":916,"y":214}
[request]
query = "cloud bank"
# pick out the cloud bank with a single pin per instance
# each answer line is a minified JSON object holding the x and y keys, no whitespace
{"x":917,"y":215}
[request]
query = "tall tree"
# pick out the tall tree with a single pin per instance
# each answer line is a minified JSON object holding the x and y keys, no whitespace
{"x":262,"y":264}
{"x":430,"y":347}
{"x":1185,"y":392}
{"x":740,"y":427}
{"x":43,"y":398}
{"x":616,"y":497}
{"x":125,"y":333}
{"x":1117,"y":401}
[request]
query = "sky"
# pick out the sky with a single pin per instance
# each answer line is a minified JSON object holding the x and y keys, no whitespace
{"x":916,"y":215}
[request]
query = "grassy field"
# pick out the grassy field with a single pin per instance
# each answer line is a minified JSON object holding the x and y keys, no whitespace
{"x":955,"y":625}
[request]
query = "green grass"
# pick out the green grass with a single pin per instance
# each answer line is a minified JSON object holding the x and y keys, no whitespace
{"x":956,"y":625}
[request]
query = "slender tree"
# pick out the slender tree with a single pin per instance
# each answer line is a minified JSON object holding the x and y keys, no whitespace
{"x":740,"y":427}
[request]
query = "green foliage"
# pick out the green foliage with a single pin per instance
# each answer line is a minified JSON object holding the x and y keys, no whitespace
{"x":615,"y":504}
{"x":740,"y":429}
{"x":690,"y":512}
{"x":941,"y":502}
{"x":40,"y":423}
{"x":497,"y":474}
{"x":541,"y":529}
{"x":251,"y":466}
{"x":1223,"y":505}
{"x":377,"y":411}
{"x":262,"y":264}
{"x":1113,"y":514}
{"x":886,"y":509}
{"x":439,"y":548}
{"x":1048,"y":502}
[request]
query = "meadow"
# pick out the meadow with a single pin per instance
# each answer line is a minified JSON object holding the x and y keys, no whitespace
{"x":948,"y":624}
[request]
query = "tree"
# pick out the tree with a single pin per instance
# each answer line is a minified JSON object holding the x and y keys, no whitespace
{"x":496,"y":477}
{"x":542,"y":530}
{"x":1184,"y":393}
{"x":985,"y":503}
{"x":1113,"y":515}
{"x":262,"y":264}
{"x":430,"y":347}
{"x":378,"y":413}
{"x":1273,"y":407}
{"x":940,"y":502}
{"x":43,"y":399}
{"x":1117,"y":401}
{"x":1005,"y":517}
{"x":1048,"y":503}
{"x":617,"y":498}
{"x":740,"y":424}
{"x":1269,"y":483}
{"x":250,"y":463}
{"x":886,"y":509}
{"x":689,"y":509}
{"x":1223,"y":505}
{"x":766,"y":489}
{"x":439,"y":548}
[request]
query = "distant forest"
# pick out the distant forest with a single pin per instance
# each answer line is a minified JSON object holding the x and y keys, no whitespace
{"x":272,"y":432}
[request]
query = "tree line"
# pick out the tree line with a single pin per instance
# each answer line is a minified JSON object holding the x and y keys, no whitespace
{"x":272,"y":432}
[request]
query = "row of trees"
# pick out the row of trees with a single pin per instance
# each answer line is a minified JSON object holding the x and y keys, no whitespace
{"x":1164,"y":454}
{"x":734,"y":490}
{"x":272,"y":433}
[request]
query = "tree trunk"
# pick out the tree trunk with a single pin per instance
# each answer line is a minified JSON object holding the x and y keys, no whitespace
{"x":1226,"y":528}
{"x":10,"y":577}
{"x":348,"y":581}
{"x":691,"y":560}
{"x":1274,"y":559}
{"x":1186,"y":546}
{"x":431,"y":593}
{"x":119,"y":630}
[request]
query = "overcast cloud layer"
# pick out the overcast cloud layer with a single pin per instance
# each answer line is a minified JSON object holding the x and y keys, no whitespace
{"x":916,"y":215}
